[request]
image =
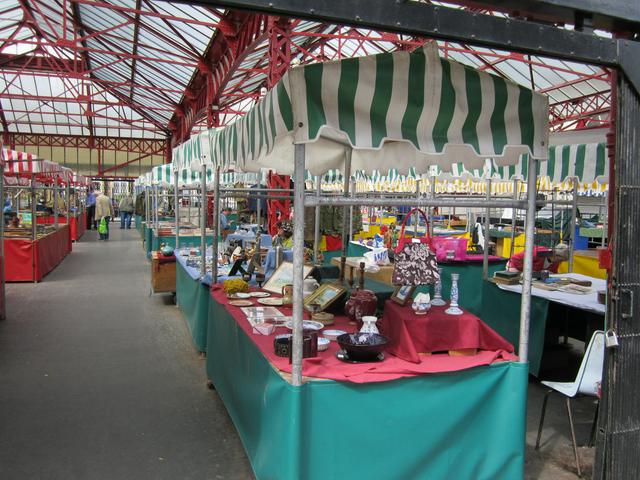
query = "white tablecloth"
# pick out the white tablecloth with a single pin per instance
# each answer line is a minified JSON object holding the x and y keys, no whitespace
{"x":588,"y":302}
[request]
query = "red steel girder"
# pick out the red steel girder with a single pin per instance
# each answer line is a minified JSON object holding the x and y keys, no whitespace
{"x":580,"y":109}
{"x":238,"y":34}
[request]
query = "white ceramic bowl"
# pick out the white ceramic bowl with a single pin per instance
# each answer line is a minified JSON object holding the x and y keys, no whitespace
{"x":332,"y":334}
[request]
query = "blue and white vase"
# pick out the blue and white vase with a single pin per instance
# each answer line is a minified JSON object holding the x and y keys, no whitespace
{"x":453,"y":305}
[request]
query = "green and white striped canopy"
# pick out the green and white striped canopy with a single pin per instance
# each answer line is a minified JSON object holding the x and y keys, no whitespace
{"x":162,"y":175}
{"x":401,"y":109}
{"x":588,"y":162}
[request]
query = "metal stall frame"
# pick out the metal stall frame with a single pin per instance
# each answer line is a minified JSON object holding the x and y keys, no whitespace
{"x":311,"y":200}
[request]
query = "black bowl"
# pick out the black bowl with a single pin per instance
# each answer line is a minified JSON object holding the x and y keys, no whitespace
{"x":362,"y":347}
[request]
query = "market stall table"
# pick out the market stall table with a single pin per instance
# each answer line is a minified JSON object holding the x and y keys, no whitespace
{"x":278,"y":422}
{"x":192,"y":298}
{"x":501,"y":311}
{"x":27,"y":260}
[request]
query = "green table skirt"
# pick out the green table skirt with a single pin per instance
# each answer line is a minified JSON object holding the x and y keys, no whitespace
{"x":501,"y":311}
{"x":193,"y":298}
{"x":463,"y":425}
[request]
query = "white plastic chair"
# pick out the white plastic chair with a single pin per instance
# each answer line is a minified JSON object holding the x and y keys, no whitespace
{"x":586,"y":383}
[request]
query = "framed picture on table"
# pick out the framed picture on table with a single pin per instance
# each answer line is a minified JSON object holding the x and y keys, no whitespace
{"x":403,"y":293}
{"x":284,"y":276}
{"x":324,"y":296}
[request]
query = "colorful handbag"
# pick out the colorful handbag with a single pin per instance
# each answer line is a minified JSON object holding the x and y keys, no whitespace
{"x":415,"y":263}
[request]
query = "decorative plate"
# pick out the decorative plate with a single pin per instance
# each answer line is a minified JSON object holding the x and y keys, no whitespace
{"x":333,"y":334}
{"x":241,"y":303}
{"x":260,"y":294}
{"x":274,"y":302}
{"x":239,"y":295}
{"x":306,"y":324}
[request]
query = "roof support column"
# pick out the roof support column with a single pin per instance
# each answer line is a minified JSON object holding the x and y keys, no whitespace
{"x":279,"y":49}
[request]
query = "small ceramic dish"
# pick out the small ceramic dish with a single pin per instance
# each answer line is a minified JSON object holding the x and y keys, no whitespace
{"x":241,"y":303}
{"x":259,"y":294}
{"x":333,"y":334}
{"x":306,"y":325}
{"x":323,"y":344}
{"x":239,"y":295}
{"x":274,"y":302}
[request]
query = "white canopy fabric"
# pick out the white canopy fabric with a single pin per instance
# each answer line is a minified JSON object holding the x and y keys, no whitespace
{"x":402,"y":109}
{"x":586,"y":162}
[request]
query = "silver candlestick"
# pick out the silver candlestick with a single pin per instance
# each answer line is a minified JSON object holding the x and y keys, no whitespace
{"x":437,"y":291}
{"x":453,"y":306}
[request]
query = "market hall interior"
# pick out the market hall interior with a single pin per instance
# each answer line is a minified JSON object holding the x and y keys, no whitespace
{"x":100,"y":380}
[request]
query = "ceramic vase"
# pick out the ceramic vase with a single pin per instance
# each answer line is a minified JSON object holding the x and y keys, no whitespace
{"x":453,"y":306}
{"x":437,"y":291}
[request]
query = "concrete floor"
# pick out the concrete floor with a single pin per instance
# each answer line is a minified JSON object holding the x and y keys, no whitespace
{"x":100,"y":381}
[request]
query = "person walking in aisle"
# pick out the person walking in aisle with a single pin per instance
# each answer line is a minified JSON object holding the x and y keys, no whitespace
{"x":91,"y":210}
{"x":126,"y":208}
{"x":104,"y":209}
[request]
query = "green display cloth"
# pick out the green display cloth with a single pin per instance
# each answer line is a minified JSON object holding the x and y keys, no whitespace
{"x":355,"y":250}
{"x":592,"y":232}
{"x":469,"y":283}
{"x":193,"y":298}
{"x":467,"y":424}
{"x":327,"y":256}
{"x":500,"y":310}
{"x":495,"y":233}
{"x":138,"y":222}
{"x":148,"y":235}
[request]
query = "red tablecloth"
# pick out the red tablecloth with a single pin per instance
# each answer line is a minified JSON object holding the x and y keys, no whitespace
{"x":327,"y":366}
{"x":412,"y":334}
{"x":24,"y":264}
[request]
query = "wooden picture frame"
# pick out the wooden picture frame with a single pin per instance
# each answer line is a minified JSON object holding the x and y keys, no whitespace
{"x":325,"y":295}
{"x":284,"y":276}
{"x":403,"y":293}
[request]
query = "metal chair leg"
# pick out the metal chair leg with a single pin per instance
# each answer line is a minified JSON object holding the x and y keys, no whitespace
{"x":594,"y":424}
{"x":573,"y":436}
{"x":544,"y":409}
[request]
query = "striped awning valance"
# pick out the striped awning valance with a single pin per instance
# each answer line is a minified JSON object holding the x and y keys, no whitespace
{"x":402,"y":109}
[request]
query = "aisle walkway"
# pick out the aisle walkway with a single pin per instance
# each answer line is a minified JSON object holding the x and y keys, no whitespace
{"x":100,"y":381}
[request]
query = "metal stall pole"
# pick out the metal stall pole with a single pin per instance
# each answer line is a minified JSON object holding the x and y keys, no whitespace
{"x":345,"y":210}
{"x":316,"y":227}
{"x":176,"y":208}
{"x":258,"y":212}
{"x":514,"y":217}
{"x":214,"y":225}
{"x":527,"y":270}
{"x":203,"y":219}
{"x":34,"y":226}
{"x":487,"y":226}
{"x":572,"y":231}
{"x":604,"y":224}
{"x":67,"y":195}
{"x":298,"y":262}
{"x":433,"y":197}
{"x":56,"y":198}
{"x":353,"y":194}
